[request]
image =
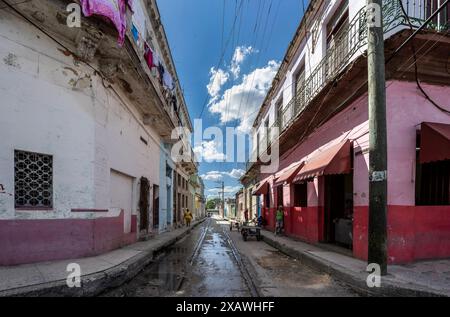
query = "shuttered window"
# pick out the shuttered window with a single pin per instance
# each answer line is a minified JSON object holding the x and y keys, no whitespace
{"x":432,"y":181}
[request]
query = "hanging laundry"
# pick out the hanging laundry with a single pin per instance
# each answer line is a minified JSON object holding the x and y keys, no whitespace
{"x":114,"y":10}
{"x":130,"y":5}
{"x":135,"y":33}
{"x":167,"y":80}
{"x":159,"y":65}
{"x":173,"y":100}
{"x":148,"y":55}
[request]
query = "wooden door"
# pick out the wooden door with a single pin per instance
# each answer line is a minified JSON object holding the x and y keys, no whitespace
{"x":144,"y":203}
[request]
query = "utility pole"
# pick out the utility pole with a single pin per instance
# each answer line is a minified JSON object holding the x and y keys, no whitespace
{"x":377,"y":137}
{"x":223,"y":199}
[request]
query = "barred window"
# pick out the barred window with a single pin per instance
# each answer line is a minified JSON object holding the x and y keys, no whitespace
{"x":33,"y":180}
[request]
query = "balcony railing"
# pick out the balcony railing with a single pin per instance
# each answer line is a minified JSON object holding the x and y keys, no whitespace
{"x":345,"y":46}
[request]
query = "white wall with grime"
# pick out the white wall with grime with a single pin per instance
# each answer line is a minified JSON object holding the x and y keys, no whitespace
{"x":89,"y":130}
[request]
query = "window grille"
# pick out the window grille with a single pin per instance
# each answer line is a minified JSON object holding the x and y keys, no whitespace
{"x":33,"y":180}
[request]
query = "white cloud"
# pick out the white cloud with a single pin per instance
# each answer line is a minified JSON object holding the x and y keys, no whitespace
{"x":236,"y":173}
{"x":227,"y":190}
{"x":242,"y":101}
{"x":212,"y":176}
{"x":209,"y":151}
{"x":217,"y":79}
{"x":240,"y":53}
{"x":217,"y":175}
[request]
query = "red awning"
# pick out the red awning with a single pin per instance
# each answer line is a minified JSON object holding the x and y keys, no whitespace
{"x":335,"y":160}
{"x":263,"y":187}
{"x":288,"y":174}
{"x":434,"y":142}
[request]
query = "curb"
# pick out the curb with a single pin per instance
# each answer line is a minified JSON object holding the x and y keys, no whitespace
{"x":355,"y":280}
{"x":97,"y":283}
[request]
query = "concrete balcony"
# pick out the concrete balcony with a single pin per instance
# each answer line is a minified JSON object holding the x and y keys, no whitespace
{"x":345,"y":53}
{"x":123,"y":68}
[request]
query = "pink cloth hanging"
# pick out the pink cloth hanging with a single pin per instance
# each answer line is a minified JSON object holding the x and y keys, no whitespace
{"x":114,"y":10}
{"x":149,"y":57}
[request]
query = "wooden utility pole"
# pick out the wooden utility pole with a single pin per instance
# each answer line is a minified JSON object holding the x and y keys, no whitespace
{"x":377,"y":137}
{"x":223,"y":199}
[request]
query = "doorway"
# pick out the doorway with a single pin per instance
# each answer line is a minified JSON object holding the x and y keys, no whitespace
{"x":121,"y":196}
{"x":338,"y":210}
{"x":144,"y":204}
{"x":279,"y":196}
{"x":155,"y":206}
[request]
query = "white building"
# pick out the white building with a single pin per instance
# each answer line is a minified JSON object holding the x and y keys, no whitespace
{"x":85,"y":127}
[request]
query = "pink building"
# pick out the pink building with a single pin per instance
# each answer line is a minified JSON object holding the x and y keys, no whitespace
{"x":319,"y":102}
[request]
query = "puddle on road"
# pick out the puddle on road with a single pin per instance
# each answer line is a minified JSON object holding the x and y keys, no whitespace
{"x":215,"y":271}
{"x":165,"y":275}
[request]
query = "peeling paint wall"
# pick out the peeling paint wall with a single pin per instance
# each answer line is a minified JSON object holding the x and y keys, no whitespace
{"x":311,"y":52}
{"x":54,"y":105}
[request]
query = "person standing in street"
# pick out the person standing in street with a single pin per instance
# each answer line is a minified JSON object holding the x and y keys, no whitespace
{"x":279,"y":220}
{"x":188,"y":217}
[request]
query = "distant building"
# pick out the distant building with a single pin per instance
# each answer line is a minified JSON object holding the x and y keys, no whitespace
{"x":319,"y":105}
{"x":230,"y":208}
{"x":240,"y":205}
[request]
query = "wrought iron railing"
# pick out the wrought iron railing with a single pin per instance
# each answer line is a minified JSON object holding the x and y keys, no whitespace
{"x":345,"y":46}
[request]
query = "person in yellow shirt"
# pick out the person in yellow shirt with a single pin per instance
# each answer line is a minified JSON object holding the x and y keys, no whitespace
{"x":188,"y":217}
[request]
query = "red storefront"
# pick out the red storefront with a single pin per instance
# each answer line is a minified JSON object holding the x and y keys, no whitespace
{"x":323,"y":183}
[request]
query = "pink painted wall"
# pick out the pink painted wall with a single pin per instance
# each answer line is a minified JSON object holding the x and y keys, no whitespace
{"x":406,"y":109}
{"x":414,"y":232}
{"x":304,"y":223}
{"x":29,"y":241}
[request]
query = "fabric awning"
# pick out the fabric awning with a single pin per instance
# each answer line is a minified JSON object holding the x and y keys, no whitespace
{"x":335,"y":160}
{"x":288,"y":174}
{"x":434,"y":142}
{"x":263,"y":187}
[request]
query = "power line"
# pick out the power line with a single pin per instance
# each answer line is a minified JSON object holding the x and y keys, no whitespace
{"x":365,"y":82}
{"x":259,"y":55}
{"x":396,"y":52}
{"x":223,"y":23}
{"x":227,"y":100}
{"x":273,"y":23}
{"x":257,"y":60}
{"x":415,"y":63}
{"x":221,"y":57}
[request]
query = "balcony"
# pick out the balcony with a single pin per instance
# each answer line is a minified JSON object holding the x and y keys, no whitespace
{"x":345,"y":47}
{"x":122,"y":68}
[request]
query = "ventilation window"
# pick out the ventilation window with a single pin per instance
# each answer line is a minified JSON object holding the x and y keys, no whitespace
{"x":33,"y":180}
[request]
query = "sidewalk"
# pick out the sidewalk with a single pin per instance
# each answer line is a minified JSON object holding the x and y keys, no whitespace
{"x":99,"y":273}
{"x":427,"y":278}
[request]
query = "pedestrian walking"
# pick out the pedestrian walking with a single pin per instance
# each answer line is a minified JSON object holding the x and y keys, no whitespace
{"x":188,"y":217}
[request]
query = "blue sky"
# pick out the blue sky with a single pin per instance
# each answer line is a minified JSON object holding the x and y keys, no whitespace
{"x":226,"y":53}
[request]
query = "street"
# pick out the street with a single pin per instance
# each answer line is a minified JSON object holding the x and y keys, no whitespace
{"x":128,"y":148}
{"x":211,"y":261}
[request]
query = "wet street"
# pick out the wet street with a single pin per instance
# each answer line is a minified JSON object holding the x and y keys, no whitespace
{"x":211,"y":261}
